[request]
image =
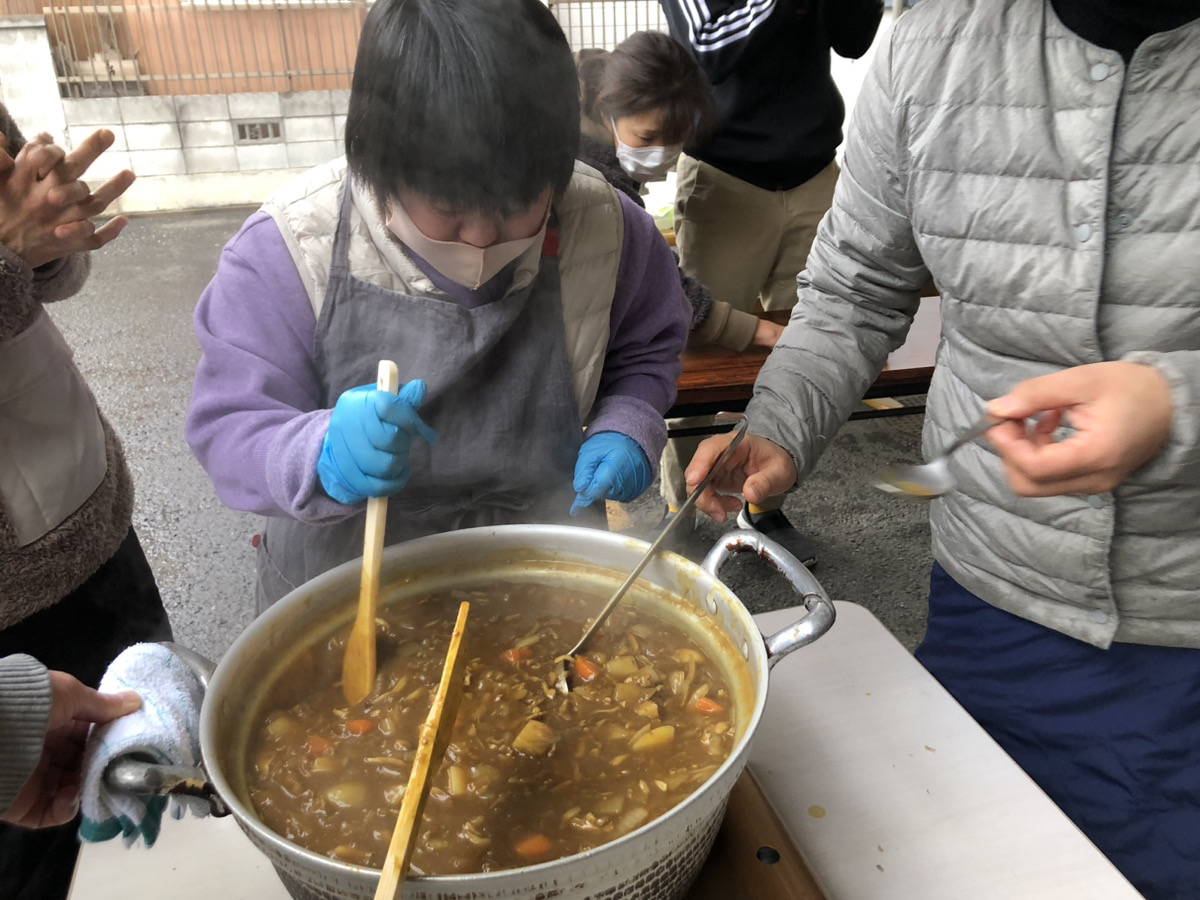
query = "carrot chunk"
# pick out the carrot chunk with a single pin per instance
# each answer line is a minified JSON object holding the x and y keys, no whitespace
{"x":317,"y":745}
{"x":518,"y":655}
{"x":359,"y":726}
{"x":535,"y":846}
{"x":708,"y":707}
{"x":585,"y":668}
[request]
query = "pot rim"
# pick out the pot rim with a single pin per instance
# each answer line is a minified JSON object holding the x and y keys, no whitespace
{"x":547,"y":541}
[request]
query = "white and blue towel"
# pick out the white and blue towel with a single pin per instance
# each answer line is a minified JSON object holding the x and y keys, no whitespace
{"x":165,"y":730}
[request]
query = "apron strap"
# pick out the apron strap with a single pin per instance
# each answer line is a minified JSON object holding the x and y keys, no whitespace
{"x":341,"y":236}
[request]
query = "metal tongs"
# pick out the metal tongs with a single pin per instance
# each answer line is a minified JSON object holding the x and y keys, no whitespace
{"x":739,"y":430}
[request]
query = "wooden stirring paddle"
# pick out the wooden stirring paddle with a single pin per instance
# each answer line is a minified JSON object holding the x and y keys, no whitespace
{"x":434,"y":738}
{"x":358,"y":665}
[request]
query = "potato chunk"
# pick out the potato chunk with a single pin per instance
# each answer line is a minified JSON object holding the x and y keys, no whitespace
{"x":622,"y":667}
{"x":655,"y":738}
{"x":649,"y":709}
{"x":347,"y":794}
{"x":535,"y":739}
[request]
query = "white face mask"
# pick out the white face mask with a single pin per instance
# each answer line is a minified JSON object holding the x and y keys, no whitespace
{"x":646,"y":162}
{"x":463,"y":264}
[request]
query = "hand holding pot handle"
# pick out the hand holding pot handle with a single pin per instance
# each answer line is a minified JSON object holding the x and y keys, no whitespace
{"x":136,"y":776}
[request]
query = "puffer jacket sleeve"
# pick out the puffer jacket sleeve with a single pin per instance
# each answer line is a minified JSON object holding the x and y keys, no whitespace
{"x":1179,"y":460}
{"x":858,"y":296}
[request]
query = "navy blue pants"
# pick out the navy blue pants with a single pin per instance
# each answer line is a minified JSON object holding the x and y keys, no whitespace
{"x":1112,"y":736}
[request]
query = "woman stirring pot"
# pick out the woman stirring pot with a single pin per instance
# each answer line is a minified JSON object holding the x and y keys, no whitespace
{"x":534,"y":314}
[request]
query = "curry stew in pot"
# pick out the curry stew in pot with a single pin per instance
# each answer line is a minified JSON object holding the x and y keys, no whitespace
{"x":531,"y":774}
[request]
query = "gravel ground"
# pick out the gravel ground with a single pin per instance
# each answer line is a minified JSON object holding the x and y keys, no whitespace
{"x":131,"y":330}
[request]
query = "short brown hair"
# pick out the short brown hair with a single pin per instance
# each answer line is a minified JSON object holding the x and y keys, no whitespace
{"x":651,"y":70}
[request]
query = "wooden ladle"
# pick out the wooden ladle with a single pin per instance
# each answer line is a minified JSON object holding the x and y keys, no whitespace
{"x":358,"y":665}
{"x":431,"y":746}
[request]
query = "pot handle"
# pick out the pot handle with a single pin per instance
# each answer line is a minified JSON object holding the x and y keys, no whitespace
{"x":820,"y":616}
{"x":134,"y":775}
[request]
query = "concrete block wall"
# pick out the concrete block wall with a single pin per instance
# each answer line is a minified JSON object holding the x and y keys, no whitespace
{"x":191,"y":135}
{"x":28,"y":83}
{"x":185,"y":151}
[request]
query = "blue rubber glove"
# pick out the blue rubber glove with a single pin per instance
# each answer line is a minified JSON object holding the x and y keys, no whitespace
{"x":611,"y":466}
{"x":366,"y":447}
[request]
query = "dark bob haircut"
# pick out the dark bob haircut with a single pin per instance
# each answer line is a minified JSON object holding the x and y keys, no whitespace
{"x":651,"y":70}
{"x":470,"y":103}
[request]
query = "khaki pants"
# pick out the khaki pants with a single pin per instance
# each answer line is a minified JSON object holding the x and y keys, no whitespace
{"x":743,"y":242}
{"x":747,"y":245}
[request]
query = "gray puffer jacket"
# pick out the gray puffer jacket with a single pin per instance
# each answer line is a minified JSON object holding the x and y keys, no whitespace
{"x":1053,"y":195}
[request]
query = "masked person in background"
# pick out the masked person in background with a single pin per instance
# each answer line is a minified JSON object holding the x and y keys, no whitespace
{"x":750,"y":194}
{"x":75,"y":586}
{"x":641,"y":104}
{"x":1040,"y":161}
{"x":523,"y":299}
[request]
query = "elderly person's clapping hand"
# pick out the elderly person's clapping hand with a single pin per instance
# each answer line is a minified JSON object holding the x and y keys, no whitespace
{"x":45,"y":209}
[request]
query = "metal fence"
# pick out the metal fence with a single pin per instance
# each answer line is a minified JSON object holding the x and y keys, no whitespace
{"x":127,"y":47}
{"x":605,"y":23}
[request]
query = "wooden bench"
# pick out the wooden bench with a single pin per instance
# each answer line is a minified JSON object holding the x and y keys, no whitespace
{"x":718,"y":380}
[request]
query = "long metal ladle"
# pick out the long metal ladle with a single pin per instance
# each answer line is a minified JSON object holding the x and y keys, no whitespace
{"x":739,"y":430}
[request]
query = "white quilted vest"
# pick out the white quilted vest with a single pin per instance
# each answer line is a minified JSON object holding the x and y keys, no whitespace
{"x":590,"y":232}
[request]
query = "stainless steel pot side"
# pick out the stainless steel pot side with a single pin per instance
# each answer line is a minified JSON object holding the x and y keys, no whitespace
{"x":659,"y":860}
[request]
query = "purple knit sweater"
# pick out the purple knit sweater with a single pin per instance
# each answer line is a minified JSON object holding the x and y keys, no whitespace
{"x":256,"y":423}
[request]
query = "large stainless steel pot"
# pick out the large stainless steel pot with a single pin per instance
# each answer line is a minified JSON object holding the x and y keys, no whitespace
{"x":658,"y":860}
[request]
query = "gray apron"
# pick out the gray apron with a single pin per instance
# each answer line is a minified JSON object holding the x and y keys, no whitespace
{"x":500,"y":399}
{"x":52,"y":451}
